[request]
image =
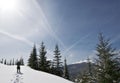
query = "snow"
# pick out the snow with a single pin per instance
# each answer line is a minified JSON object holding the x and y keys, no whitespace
{"x":8,"y":75}
{"x":83,"y":61}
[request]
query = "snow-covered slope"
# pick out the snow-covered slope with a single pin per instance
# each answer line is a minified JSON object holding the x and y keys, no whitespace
{"x":8,"y":75}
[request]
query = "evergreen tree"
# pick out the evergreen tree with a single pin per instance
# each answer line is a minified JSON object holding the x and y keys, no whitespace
{"x":65,"y":72}
{"x":33,"y":62}
{"x":107,"y":67}
{"x":10,"y":62}
{"x":13,"y":62}
{"x":89,"y":66}
{"x":52,"y":69}
{"x":87,"y":76}
{"x":5,"y":62}
{"x":16,"y":62}
{"x":57,"y":62}
{"x":21,"y":61}
{"x":2,"y":61}
{"x":44,"y":65}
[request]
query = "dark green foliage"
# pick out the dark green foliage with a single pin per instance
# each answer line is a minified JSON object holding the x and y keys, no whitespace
{"x":107,"y":67}
{"x":44,"y":65}
{"x":65,"y":72}
{"x":54,"y":67}
{"x":57,"y":62}
{"x":32,"y":62}
{"x":87,"y":76}
{"x":57,"y":58}
{"x":90,"y":68}
{"x":83,"y":78}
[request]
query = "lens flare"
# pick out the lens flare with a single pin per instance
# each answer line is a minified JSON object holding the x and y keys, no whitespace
{"x":8,"y":5}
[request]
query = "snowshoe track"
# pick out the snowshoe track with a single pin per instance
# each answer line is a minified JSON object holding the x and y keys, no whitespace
{"x":17,"y":78}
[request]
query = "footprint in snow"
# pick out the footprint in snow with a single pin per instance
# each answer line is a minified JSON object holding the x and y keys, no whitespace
{"x":17,"y":78}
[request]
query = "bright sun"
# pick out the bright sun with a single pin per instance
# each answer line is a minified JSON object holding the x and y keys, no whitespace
{"x":8,"y":5}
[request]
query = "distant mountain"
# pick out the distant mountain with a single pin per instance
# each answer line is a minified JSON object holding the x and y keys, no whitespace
{"x":75,"y":69}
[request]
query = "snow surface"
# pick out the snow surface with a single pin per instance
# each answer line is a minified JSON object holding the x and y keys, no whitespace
{"x":8,"y":75}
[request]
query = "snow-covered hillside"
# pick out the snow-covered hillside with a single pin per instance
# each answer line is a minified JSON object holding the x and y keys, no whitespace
{"x":8,"y":75}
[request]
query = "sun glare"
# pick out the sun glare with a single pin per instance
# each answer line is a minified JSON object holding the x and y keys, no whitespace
{"x":8,"y":5}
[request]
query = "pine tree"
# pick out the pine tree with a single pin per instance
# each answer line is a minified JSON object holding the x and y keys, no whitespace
{"x":87,"y":76}
{"x":89,"y":67}
{"x":65,"y":72}
{"x":57,"y":62}
{"x":52,"y":69}
{"x":16,"y":62}
{"x":5,"y":62}
{"x":2,"y":61}
{"x":44,"y":65}
{"x":107,"y":67}
{"x":10,"y":62}
{"x":33,"y":62}
{"x":13,"y":62}
{"x":21,"y":61}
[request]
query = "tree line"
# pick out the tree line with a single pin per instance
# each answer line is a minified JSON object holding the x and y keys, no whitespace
{"x":106,"y":67}
{"x":12,"y":61}
{"x":41,"y":63}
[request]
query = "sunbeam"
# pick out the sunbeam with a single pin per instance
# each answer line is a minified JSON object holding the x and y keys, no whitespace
{"x":22,"y":39}
{"x":48,"y":28}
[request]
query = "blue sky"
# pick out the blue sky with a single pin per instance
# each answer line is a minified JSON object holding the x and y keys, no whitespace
{"x":72,"y":24}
